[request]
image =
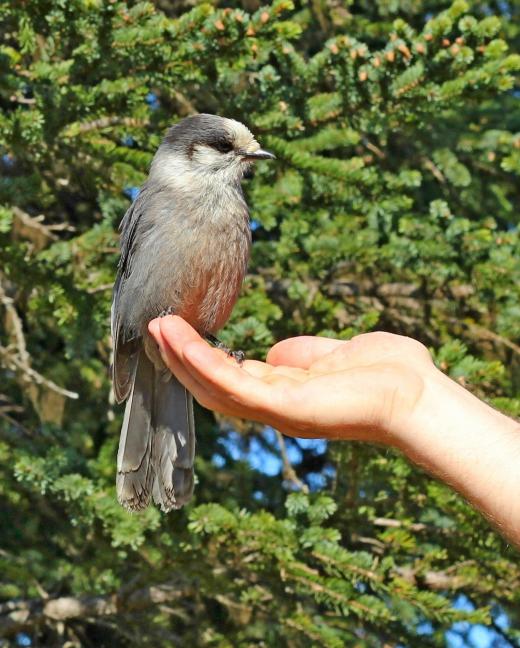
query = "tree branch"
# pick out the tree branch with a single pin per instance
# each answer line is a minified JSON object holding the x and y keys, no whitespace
{"x":14,"y":324}
{"x":15,"y":363}
{"x":288,"y":471}
{"x":32,"y":228}
{"x":16,"y":616}
{"x":485,"y":334}
{"x":17,"y":358}
{"x":104,"y":122}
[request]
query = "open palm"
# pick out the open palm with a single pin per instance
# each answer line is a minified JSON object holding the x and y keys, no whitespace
{"x":308,"y":386}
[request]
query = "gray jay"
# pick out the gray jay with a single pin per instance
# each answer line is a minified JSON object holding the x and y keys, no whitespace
{"x":185,"y":245}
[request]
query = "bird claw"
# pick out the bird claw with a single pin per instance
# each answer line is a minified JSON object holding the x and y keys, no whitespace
{"x":238,"y":356}
{"x":166,"y":312}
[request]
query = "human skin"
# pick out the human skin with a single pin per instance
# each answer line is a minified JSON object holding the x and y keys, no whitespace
{"x":376,"y":387}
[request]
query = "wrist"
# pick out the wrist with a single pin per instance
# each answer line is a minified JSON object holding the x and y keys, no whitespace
{"x":438,"y":395}
{"x":467,"y":444}
{"x":444,"y":405}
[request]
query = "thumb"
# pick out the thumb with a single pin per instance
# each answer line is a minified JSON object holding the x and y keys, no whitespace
{"x":301,"y":351}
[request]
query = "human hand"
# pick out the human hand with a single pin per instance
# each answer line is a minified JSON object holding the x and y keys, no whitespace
{"x":364,"y":388}
{"x":375,"y":387}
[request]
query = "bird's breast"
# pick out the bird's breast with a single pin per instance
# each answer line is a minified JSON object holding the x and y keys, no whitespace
{"x":190,"y":258}
{"x":214,"y":272}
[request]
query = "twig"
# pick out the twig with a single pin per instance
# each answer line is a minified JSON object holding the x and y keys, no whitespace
{"x":288,"y":471}
{"x":19,"y":359}
{"x":13,"y":362}
{"x":16,"y":323}
{"x":105,"y":122}
{"x":100,"y":288}
{"x":396,"y":524}
{"x":378,"y":546}
{"x":32,"y":228}
{"x":434,"y":170}
{"x":21,"y":428}
{"x":184,"y":103}
{"x":29,"y":101}
{"x":375,"y":149}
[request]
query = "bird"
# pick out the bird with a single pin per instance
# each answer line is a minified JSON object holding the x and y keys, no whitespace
{"x":184,"y":249}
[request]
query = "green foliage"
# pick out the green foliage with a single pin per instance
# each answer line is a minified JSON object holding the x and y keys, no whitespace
{"x":393,"y":205}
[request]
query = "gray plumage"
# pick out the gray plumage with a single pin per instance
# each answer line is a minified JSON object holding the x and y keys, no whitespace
{"x":185,"y":245}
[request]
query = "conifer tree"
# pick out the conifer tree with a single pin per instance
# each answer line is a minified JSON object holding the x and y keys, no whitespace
{"x":393,"y":205}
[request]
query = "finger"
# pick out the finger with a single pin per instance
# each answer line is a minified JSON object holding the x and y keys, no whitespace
{"x":172,"y":358}
{"x":230,"y":383}
{"x":301,"y":351}
{"x":175,"y":331}
{"x":154,"y":329}
{"x":170,"y":352}
{"x":247,"y":390}
{"x":175,"y":337}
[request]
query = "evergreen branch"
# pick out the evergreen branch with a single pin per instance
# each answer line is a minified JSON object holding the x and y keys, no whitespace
{"x":369,"y":574}
{"x":185,"y":105}
{"x":291,"y":623}
{"x":378,"y":547}
{"x":318,"y":588}
{"x":431,"y":579}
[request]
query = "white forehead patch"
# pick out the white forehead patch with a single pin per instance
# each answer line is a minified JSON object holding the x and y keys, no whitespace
{"x":243,"y":138}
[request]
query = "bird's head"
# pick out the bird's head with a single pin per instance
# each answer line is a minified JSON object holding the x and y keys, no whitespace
{"x":207,"y":147}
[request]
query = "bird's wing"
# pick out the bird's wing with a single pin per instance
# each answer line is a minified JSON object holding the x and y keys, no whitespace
{"x":125,"y":349}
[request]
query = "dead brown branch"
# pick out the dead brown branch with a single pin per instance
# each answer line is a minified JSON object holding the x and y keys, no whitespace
{"x":375,"y":149}
{"x":396,"y":524}
{"x":485,"y":334}
{"x":288,"y":471}
{"x":11,"y":360}
{"x":113,"y":120}
{"x":16,"y":616}
{"x":434,"y":580}
{"x":16,"y":357}
{"x":100,"y":288}
{"x":13,"y":325}
{"x":435,"y":171}
{"x":32,"y":228}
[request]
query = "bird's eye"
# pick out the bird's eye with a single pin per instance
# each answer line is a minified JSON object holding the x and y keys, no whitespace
{"x":223,"y":145}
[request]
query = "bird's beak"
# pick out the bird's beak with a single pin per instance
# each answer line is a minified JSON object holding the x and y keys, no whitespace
{"x":259,"y":154}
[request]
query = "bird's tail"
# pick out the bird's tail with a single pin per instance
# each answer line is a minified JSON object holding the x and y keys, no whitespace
{"x":157,"y":443}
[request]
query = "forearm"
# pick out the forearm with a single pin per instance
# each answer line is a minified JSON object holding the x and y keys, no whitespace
{"x":470,"y":446}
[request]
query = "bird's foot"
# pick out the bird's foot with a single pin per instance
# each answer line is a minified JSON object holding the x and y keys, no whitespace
{"x":239,"y":356}
{"x":166,"y":311}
